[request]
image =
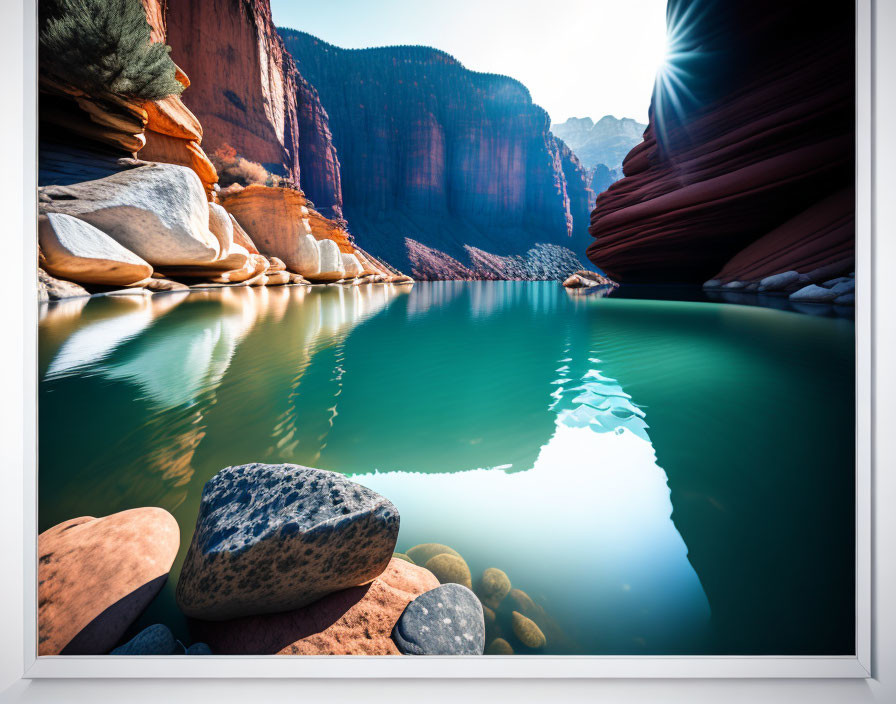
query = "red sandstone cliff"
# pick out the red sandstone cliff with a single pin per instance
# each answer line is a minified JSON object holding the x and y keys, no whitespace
{"x":247,"y":93}
{"x":751,"y":173}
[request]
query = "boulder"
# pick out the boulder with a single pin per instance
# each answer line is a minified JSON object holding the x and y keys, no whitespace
{"x":814,"y":294}
{"x":155,"y":640}
{"x":96,"y":575}
{"x":236,"y":261}
{"x":162,"y":284}
{"x":331,"y":267}
{"x":351,"y":266}
{"x":779,"y":282}
{"x":574,"y":281}
{"x":423,"y":553}
{"x":274,"y":219}
{"x":277,"y":278}
{"x":499,"y":646}
{"x":50,"y":288}
{"x":221,"y":226}
{"x":158,"y":211}
{"x":527,"y":631}
{"x":493,"y":586}
{"x":445,"y":621}
{"x":277,"y":264}
{"x":522,"y":602}
{"x":450,"y":568}
{"x":277,"y":537}
{"x":199,"y":649}
{"x":354,"y":621}
{"x":76,"y":250}
{"x":402,"y":556}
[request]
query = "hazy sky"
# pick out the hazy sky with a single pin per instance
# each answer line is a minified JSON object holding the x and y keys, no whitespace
{"x":577,"y":57}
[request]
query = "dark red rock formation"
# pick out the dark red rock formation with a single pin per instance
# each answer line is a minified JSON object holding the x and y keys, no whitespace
{"x":247,"y":93}
{"x":437,"y":154}
{"x":741,"y":159}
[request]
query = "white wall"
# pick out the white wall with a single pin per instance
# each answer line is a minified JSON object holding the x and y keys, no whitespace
{"x":12,"y":355}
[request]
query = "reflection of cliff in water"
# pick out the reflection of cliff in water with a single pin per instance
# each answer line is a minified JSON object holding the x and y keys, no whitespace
{"x":159,"y":362}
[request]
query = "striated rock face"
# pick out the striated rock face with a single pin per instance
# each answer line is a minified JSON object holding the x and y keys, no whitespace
{"x":436,"y":154}
{"x":752,"y":175}
{"x":356,"y":621}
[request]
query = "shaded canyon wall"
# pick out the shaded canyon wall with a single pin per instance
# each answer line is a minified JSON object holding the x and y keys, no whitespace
{"x":746,"y":168}
{"x":439,"y":159}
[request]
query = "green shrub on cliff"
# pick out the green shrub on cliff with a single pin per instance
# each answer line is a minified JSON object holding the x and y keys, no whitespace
{"x":104,"y":45}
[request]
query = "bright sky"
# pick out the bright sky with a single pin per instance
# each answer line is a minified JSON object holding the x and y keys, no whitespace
{"x":579,"y":58}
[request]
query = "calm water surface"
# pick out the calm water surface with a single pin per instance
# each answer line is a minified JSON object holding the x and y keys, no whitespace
{"x":661,"y":476}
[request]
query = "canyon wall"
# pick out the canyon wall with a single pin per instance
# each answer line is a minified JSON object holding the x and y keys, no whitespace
{"x":436,"y":158}
{"x":746,"y":167}
{"x":248,"y":95}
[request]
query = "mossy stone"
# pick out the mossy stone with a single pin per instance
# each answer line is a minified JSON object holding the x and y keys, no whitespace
{"x":450,"y":568}
{"x":489,"y":616}
{"x":493,"y":586}
{"x":423,"y":553}
{"x":527,"y":631}
{"x":402,"y":556}
{"x":499,"y":646}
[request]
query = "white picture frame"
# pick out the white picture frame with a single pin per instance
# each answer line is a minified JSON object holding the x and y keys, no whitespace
{"x":858,"y":666}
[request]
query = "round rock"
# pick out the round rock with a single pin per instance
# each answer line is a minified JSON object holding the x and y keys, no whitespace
{"x":423,"y":553}
{"x":447,"y":620}
{"x":450,"y":568}
{"x":154,"y":640}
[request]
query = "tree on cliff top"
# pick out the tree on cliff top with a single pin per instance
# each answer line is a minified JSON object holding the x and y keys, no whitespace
{"x":104,"y":46}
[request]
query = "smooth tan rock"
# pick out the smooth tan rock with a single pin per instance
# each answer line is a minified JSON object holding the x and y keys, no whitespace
{"x":171,"y":117}
{"x":355,"y":621}
{"x":221,"y":226}
{"x":96,"y":575}
{"x":272,"y":217}
{"x":351,"y":266}
{"x":423,"y":553}
{"x":277,"y":264}
{"x":499,"y":646}
{"x":518,"y":600}
{"x":49,"y":288}
{"x":77,"y":251}
{"x":450,"y":568}
{"x":277,"y":278}
{"x":402,"y":556}
{"x":527,"y":631}
{"x":493,"y":586}
{"x":331,"y":266}
{"x":157,"y":211}
{"x":237,"y":260}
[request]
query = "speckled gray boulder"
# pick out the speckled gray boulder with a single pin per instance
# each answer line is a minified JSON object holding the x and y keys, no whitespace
{"x":446,"y":620}
{"x":277,"y":537}
{"x":154,"y":640}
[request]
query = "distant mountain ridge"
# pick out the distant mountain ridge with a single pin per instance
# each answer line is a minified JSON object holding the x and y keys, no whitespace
{"x":606,"y":141}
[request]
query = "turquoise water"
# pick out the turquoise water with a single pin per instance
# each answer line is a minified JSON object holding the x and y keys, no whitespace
{"x":660,"y":476}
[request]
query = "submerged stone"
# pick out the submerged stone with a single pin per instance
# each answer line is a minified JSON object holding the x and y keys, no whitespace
{"x":423,"y":553}
{"x":447,"y":620}
{"x":493,"y":586}
{"x":527,"y":631}
{"x":277,"y":537}
{"x":450,"y":569}
{"x":154,"y":640}
{"x":499,"y":646}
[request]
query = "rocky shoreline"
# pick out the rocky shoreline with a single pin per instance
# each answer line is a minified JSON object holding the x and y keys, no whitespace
{"x":285,"y":560}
